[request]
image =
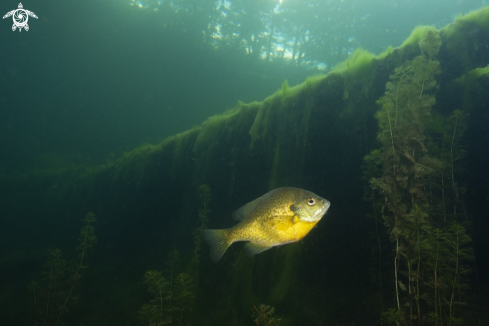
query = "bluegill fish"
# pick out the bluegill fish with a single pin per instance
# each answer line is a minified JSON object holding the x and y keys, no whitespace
{"x":281,"y":216}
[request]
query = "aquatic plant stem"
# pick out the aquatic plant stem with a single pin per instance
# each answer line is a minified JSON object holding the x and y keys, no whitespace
{"x":436,"y":279}
{"x":397,"y":98}
{"x":443,"y":197}
{"x":201,"y":226}
{"x":204,"y":198}
{"x":409,"y":288}
{"x":395,"y":273}
{"x":455,"y":278}
{"x":380,"y":251}
{"x":76,"y":275}
{"x":422,"y":84}
{"x":417,"y":275}
{"x":417,"y":286}
{"x":392,"y":137}
{"x":160,"y":294}
{"x":183,"y":307}
{"x":171,"y":277}
{"x":453,"y":179}
{"x":49,"y":293}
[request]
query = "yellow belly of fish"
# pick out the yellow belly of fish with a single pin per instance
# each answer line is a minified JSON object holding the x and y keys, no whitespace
{"x":273,"y":232}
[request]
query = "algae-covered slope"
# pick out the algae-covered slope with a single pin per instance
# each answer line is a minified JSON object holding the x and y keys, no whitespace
{"x":312,"y":136}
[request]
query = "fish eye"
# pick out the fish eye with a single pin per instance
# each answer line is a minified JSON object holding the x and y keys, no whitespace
{"x":311,"y":202}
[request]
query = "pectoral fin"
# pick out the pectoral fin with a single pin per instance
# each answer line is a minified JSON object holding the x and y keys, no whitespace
{"x":255,"y":248}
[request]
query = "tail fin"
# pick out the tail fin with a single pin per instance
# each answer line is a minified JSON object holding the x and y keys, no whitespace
{"x":218,"y":241}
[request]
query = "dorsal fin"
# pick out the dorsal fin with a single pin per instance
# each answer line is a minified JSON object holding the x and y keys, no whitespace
{"x":242,"y":212}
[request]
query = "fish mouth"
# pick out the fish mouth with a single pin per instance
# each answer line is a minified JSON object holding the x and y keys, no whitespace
{"x":327,"y":204}
{"x":319,"y":213}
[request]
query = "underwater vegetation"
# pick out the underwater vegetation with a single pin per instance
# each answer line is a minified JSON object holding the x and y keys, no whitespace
{"x":54,"y":295}
{"x":265,"y":315}
{"x":418,"y":197}
{"x":156,"y":311}
{"x":172,"y":297}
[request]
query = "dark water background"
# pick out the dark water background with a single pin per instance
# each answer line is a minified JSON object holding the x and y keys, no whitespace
{"x":91,"y":80}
